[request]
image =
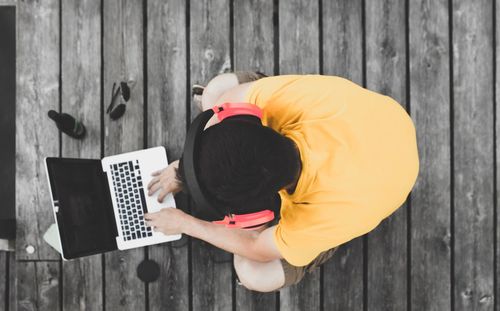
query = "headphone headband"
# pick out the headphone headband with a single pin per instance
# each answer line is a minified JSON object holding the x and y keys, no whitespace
{"x":227,"y":110}
{"x":209,"y":211}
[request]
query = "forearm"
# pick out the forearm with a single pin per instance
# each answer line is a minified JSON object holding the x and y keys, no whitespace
{"x":237,"y":241}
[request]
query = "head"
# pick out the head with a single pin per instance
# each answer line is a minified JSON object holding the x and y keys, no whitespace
{"x":242,"y":165}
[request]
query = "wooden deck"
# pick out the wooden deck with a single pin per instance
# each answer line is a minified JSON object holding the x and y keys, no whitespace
{"x":437,"y":58}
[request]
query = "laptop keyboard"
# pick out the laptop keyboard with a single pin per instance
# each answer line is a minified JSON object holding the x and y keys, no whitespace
{"x":127,"y":184}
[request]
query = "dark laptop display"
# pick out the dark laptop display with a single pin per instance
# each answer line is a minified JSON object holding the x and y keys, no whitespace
{"x":84,"y":209}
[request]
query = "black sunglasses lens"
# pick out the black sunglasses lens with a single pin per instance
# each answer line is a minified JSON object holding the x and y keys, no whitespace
{"x":125,"y":91}
{"x":117,"y":112}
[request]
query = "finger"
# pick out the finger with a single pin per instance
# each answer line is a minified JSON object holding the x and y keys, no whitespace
{"x":151,"y":216}
{"x":158,"y":172}
{"x":154,"y":189}
{"x":162,"y":179}
{"x":163,"y":193}
{"x":153,"y":181}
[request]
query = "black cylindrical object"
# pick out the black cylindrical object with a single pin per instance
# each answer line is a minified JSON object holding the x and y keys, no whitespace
{"x":67,"y":124}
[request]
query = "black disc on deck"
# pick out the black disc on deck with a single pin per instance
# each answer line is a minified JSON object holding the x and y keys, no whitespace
{"x":148,"y":271}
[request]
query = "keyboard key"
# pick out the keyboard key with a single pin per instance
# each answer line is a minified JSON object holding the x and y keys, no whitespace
{"x":131,"y":203}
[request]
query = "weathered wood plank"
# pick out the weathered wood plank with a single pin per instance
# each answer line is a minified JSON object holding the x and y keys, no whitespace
{"x":81,"y":98}
{"x":82,"y":281}
{"x":298,"y":37}
{"x":8,"y":2}
{"x":123,"y":61}
{"x":254,"y":50}
{"x":4,"y":281}
{"x":299,"y":53}
{"x":12,"y":294}
{"x":343,"y":39}
{"x":343,"y":56}
{"x":385,"y":74}
{"x":430,"y":110}
{"x":253,"y":35}
{"x":36,"y":135}
{"x":473,"y":154}
{"x":210,"y":55}
{"x":38,"y":285}
{"x":167,"y":70}
{"x":497,"y":131}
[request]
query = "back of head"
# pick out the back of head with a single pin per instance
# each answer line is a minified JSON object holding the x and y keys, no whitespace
{"x":242,"y":165}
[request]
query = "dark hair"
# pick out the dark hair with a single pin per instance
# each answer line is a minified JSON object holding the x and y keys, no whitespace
{"x":241,"y":165}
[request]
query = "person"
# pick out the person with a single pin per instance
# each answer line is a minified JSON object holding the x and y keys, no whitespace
{"x":342,"y":158}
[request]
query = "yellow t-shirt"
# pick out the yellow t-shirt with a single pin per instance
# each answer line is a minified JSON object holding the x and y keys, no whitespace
{"x":359,"y":159}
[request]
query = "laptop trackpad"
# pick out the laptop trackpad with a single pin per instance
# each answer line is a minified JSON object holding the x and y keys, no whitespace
{"x":85,"y":218}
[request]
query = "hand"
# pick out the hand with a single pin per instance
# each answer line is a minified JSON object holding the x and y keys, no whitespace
{"x":168,"y":221}
{"x":166,"y":181}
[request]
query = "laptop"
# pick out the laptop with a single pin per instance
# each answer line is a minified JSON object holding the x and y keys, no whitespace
{"x":99,"y":205}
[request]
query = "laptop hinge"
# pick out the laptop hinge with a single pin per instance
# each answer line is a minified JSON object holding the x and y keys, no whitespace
{"x":110,"y":209}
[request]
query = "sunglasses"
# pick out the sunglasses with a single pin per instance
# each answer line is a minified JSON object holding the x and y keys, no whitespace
{"x":121,"y":95}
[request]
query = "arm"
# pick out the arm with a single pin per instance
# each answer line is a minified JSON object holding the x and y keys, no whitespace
{"x":257,"y":246}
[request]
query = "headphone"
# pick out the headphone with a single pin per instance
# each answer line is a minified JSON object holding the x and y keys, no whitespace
{"x":210,"y":211}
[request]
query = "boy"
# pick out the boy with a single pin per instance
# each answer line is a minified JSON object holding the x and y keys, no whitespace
{"x":341,"y":157}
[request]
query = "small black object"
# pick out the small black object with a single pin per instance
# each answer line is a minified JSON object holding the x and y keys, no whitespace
{"x":197,"y":89}
{"x":67,"y":124}
{"x":123,"y":91}
{"x":148,"y":271}
{"x":7,"y":229}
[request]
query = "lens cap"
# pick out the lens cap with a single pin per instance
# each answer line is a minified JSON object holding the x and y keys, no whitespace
{"x":148,"y":271}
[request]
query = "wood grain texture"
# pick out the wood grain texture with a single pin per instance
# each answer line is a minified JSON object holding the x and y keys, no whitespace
{"x":343,"y":56}
{"x":123,"y":61}
{"x":167,"y":69}
{"x":13,"y":281}
{"x":38,"y":285}
{"x":253,"y":35}
{"x":299,"y":53}
{"x":298,"y":37}
{"x":8,"y":2}
{"x":209,"y":55}
{"x":36,"y":135}
{"x":473,"y":154}
{"x":81,"y":98}
{"x":497,"y":172}
{"x":4,"y":281}
{"x":386,"y":74}
{"x":254,"y":51}
{"x":430,"y":110}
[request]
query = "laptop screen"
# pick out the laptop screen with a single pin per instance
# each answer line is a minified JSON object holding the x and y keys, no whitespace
{"x":85,"y":217}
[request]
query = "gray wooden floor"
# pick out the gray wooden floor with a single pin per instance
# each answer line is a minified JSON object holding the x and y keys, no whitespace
{"x":438,"y":58}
